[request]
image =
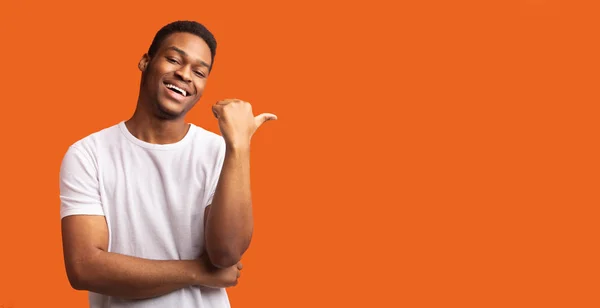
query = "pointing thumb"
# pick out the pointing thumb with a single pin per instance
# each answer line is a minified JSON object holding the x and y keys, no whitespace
{"x":264,"y":117}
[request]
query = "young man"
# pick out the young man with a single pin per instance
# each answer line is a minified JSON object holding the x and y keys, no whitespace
{"x":156,"y":212}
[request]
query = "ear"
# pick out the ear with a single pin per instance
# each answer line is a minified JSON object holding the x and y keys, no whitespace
{"x":144,"y":62}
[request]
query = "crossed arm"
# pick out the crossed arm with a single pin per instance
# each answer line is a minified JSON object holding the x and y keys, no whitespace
{"x":91,"y":267}
{"x":228,"y":229}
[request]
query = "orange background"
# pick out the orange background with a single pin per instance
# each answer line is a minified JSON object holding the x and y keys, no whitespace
{"x":427,"y":153}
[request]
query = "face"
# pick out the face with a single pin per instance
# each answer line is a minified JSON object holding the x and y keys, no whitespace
{"x":174,"y":79}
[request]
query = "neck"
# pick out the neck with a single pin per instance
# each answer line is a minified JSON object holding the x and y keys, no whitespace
{"x":149,"y":128}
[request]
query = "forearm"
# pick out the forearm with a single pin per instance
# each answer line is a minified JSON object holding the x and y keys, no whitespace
{"x":131,"y":277}
{"x":230,"y":224}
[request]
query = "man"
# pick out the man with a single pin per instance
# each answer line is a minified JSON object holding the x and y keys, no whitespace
{"x":156,"y":212}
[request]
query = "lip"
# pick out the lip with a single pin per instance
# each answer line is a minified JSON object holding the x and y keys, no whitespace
{"x":178,"y":97}
{"x":182,"y":86}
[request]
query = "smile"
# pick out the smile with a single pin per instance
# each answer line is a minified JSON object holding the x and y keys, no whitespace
{"x":176,"y":89}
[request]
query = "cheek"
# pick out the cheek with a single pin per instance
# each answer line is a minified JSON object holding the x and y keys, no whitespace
{"x":200,"y":87}
{"x":151,"y":85}
{"x":155,"y":72}
{"x":153,"y":81}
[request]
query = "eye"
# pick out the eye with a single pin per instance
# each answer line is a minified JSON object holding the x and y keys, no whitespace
{"x":201,"y":74}
{"x":172,"y":60}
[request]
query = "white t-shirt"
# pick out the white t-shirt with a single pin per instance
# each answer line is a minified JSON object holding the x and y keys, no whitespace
{"x":153,"y":197}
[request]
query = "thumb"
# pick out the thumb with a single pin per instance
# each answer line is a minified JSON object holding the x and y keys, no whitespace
{"x":264,"y":117}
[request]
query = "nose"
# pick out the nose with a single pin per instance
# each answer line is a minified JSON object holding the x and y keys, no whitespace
{"x":184,"y":73}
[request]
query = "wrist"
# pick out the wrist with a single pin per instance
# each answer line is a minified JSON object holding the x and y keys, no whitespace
{"x":195,"y":273}
{"x":237,"y":146}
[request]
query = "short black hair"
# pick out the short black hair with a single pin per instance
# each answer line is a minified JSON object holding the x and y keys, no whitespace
{"x":187,"y":27}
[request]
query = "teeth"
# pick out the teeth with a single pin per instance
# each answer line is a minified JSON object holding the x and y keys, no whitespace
{"x":177,"y":89}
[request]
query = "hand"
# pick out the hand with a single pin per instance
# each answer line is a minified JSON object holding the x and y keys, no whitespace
{"x":214,"y":277}
{"x":237,"y":122}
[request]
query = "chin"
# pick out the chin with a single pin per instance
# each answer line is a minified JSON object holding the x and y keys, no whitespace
{"x":169,"y":112}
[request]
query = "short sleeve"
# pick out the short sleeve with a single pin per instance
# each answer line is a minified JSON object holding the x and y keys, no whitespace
{"x":79,"y":188}
{"x":216,"y":170}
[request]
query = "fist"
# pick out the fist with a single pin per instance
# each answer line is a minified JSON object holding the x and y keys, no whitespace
{"x":237,"y":122}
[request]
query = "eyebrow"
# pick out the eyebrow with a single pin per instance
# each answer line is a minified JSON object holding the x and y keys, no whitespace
{"x":183,"y":53}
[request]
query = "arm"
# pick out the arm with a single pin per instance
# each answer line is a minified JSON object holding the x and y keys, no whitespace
{"x":229,"y":225}
{"x":90,"y":267}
